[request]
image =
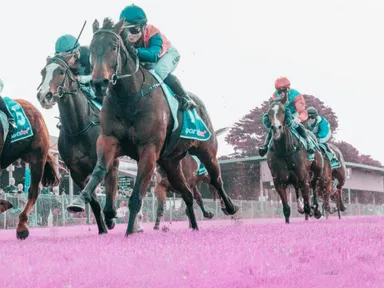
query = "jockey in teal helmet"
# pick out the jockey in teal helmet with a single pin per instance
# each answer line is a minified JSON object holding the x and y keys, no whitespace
{"x":4,"y":108}
{"x":321,"y":128}
{"x":67,"y":45}
{"x":294,"y":104}
{"x":155,"y":50}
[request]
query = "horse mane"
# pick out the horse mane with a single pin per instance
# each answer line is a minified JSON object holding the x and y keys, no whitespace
{"x":109,"y":25}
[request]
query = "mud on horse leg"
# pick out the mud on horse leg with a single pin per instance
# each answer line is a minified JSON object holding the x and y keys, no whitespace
{"x":146,"y":166}
{"x":107,"y":151}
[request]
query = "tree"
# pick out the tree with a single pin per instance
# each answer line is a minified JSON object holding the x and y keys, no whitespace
{"x":249,"y":133}
{"x":351,"y":154}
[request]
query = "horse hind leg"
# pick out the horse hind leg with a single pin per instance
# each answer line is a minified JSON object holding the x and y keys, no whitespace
{"x":37,"y":168}
{"x":178,"y":182}
{"x":199,"y":201}
{"x":208,"y":158}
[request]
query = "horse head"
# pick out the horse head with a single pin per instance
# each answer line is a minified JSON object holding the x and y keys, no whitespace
{"x":110,"y":53}
{"x":57,"y":81}
{"x":276,"y":115}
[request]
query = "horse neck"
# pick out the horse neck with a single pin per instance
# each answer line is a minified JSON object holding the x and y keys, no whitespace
{"x":74,"y":112}
{"x":286,"y":142}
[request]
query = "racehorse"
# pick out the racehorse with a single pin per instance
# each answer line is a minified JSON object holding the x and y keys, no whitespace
{"x":289,"y":162}
{"x":80,"y":128}
{"x":136,"y":121}
{"x":33,"y":150}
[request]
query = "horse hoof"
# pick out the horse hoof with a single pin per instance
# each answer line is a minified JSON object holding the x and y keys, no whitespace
{"x":209,"y":215}
{"x":301,"y":211}
{"x":156,"y":227}
{"x":317,"y":214}
{"x":110,"y":223}
{"x":22,"y":235}
{"x":343,"y":208}
{"x":103,"y":232}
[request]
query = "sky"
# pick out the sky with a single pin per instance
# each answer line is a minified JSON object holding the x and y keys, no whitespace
{"x":231,"y":54}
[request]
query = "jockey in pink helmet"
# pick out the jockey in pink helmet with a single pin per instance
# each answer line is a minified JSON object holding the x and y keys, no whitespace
{"x":295,"y":109}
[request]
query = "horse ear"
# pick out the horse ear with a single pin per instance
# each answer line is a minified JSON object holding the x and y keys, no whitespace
{"x":119,"y":26}
{"x":95,"y":26}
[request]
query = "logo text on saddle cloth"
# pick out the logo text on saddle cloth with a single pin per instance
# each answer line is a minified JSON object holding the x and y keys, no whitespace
{"x":197,"y":132}
{"x":24,"y":128}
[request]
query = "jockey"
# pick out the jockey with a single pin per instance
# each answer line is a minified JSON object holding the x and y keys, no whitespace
{"x":155,"y":50}
{"x":294,"y":103}
{"x":67,"y":45}
{"x":4,"y":108}
{"x":320,"y":127}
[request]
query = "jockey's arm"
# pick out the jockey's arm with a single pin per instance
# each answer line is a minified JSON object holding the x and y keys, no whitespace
{"x":152,"y":52}
{"x":300,"y":108}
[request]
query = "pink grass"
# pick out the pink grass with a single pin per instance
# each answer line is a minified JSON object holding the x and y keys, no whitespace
{"x":254,"y":253}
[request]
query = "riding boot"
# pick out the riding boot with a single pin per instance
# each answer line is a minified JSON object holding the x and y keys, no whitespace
{"x":11,"y":120}
{"x":186,"y":102}
{"x":300,"y":128}
{"x":264,"y":149}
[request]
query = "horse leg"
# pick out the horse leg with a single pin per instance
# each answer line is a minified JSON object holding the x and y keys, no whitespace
{"x":94,"y":203}
{"x":37,"y":168}
{"x":107,"y":151}
{"x":111,"y":182}
{"x":146,"y":166}
{"x":299,"y":202}
{"x":316,"y":188}
{"x":281,"y":189}
{"x":177,"y":180}
{"x":199,"y":201}
{"x":161,"y":195}
{"x":306,"y":192}
{"x":208,"y":158}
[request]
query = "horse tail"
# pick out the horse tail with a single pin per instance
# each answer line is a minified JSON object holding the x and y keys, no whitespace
{"x":221,"y":131}
{"x":51,"y":175}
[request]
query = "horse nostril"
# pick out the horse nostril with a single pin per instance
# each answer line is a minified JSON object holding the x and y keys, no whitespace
{"x":91,"y":83}
{"x":280,"y":127}
{"x":49,"y":96}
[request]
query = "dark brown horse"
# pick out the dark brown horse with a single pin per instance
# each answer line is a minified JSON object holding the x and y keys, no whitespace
{"x":80,"y":128}
{"x":136,"y":121}
{"x":35,"y":151}
{"x":289,"y":162}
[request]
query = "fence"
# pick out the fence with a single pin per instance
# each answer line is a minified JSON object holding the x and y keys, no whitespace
{"x":50,"y":210}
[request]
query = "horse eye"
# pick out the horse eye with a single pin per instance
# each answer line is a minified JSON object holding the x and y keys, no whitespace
{"x":114,"y":48}
{"x":61,"y":72}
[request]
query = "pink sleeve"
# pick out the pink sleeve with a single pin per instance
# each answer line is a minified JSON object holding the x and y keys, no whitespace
{"x":300,"y":108}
